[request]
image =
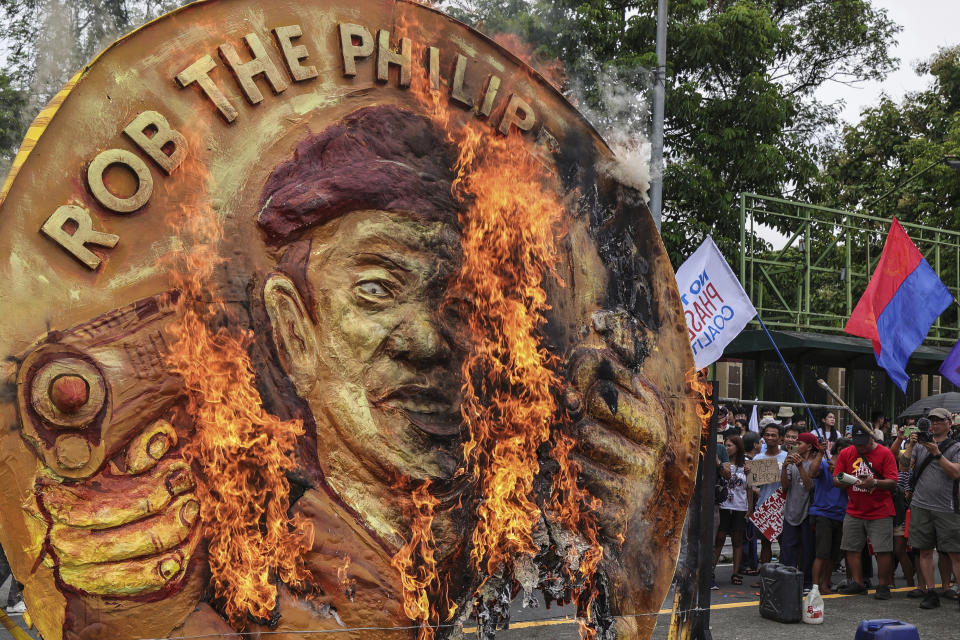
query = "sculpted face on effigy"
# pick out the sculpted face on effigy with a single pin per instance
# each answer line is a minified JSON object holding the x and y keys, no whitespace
{"x":329,"y":317}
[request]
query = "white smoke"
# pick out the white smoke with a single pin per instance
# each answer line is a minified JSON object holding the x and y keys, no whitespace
{"x":621,"y":114}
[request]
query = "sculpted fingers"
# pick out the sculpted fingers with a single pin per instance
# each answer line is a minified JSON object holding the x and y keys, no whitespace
{"x":149,"y":446}
{"x":637,"y":416}
{"x":131,"y":577}
{"x":613,"y":451}
{"x":115,"y":499}
{"x":146,"y":537}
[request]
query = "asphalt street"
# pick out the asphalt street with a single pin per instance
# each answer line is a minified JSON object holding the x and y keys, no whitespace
{"x":734,"y":616}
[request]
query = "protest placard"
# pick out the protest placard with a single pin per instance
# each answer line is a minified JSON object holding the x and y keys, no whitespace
{"x":763,"y":471}
{"x":768,"y":517}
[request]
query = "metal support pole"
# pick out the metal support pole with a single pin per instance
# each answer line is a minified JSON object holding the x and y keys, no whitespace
{"x":691,"y":592}
{"x":659,"y":96}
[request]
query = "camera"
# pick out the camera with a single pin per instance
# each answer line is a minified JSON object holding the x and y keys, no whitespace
{"x":923,"y":430}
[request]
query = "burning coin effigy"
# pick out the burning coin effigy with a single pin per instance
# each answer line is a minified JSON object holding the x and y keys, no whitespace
{"x":333,"y":316}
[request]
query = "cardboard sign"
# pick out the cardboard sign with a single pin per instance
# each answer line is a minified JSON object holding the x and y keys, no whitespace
{"x":763,"y":471}
{"x":768,"y":517}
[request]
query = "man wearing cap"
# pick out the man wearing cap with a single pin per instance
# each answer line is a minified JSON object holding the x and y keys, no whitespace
{"x":796,"y":542}
{"x":934,"y":517}
{"x":870,"y":510}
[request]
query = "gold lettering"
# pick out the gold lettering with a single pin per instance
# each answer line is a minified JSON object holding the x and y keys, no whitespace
{"x":351,"y":51}
{"x":493,"y":85}
{"x":83,"y":235}
{"x":199,"y":72}
{"x":161,"y":138}
{"x":511,"y":116}
{"x":246,"y":72}
{"x":459,"y":73}
{"x":133,"y":162}
{"x":387,"y":57}
{"x":434,"y":67}
{"x":293,"y":54}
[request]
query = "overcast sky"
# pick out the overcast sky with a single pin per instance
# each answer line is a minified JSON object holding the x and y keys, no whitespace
{"x":927,"y":26}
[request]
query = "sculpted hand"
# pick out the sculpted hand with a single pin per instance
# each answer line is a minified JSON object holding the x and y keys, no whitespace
{"x":124,"y":532}
{"x":618,"y":420}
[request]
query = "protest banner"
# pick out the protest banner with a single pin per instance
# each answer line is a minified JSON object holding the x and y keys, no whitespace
{"x":715,"y":305}
{"x":768,"y":517}
{"x":763,"y":471}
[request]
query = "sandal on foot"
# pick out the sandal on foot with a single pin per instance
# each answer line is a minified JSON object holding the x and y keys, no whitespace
{"x":751,"y":572}
{"x":736,"y":579}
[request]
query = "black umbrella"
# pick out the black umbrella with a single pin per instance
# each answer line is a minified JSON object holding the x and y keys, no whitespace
{"x":949,"y":401}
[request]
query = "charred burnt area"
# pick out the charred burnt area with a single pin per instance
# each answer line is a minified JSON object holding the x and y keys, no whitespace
{"x":620,"y":223}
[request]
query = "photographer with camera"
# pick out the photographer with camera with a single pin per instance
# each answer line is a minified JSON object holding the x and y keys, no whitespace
{"x":934,"y":514}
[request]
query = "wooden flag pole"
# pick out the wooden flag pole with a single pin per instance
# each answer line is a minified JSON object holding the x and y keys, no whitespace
{"x":860,"y":423}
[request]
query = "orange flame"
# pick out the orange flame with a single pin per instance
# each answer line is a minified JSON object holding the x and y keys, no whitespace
{"x":702,"y":390}
{"x":511,"y":235}
{"x":417,"y":564}
{"x":238,"y":450}
{"x":348,"y":585}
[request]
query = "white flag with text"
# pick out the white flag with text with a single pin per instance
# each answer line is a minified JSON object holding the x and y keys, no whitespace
{"x":715,"y":305}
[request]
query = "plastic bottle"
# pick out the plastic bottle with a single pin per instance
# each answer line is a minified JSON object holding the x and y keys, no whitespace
{"x":813,"y":607}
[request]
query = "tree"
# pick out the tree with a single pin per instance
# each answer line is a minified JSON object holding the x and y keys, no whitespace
{"x":890,"y":163}
{"x":741,"y":111}
{"x":47,"y":41}
{"x":12,"y":103}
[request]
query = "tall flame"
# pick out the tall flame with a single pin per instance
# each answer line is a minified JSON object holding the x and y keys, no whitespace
{"x":701,"y":390}
{"x":511,"y":234}
{"x":239,"y":451}
{"x":417,"y":564}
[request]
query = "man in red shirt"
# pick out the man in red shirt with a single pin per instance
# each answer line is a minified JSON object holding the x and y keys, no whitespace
{"x":870,"y":510}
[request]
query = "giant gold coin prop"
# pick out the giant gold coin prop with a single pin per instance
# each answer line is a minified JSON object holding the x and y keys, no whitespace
{"x":329,"y":316}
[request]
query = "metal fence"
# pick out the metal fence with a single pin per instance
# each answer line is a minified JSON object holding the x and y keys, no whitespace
{"x":815,"y":280}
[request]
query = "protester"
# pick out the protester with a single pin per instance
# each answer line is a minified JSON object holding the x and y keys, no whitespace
{"x":801,"y":424}
{"x":750,"y":561}
{"x":870,"y":511}
{"x":827,"y":511}
{"x":796,"y":542}
{"x":877,"y":422}
{"x":827,"y":430}
{"x":764,"y":423}
{"x":772,"y":438}
{"x":785,"y":416}
{"x":934,"y":522}
{"x":733,"y":510}
{"x":901,"y":551}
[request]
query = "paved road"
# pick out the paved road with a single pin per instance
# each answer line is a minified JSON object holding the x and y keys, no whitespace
{"x":734,"y":616}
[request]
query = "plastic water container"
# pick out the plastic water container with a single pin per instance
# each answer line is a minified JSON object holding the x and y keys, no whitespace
{"x":886,"y":630}
{"x":781,"y":592}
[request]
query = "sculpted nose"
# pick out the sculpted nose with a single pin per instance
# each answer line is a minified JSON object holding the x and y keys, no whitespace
{"x":417,"y":339}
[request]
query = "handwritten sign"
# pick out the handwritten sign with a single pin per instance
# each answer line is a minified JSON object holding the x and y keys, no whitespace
{"x":763,"y":471}
{"x":768,"y":517}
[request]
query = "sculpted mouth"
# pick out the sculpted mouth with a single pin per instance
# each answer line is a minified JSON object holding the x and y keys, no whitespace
{"x":427,"y":408}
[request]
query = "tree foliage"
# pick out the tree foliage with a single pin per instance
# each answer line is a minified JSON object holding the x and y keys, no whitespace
{"x":741,"y":110}
{"x":47,"y":41}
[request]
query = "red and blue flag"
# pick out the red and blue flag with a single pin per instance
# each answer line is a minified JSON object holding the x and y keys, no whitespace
{"x":902,"y":301}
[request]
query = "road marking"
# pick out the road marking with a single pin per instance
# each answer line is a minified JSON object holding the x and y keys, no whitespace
{"x":727,"y":605}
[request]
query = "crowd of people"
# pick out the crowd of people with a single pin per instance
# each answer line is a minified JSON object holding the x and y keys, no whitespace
{"x":866,"y":495}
